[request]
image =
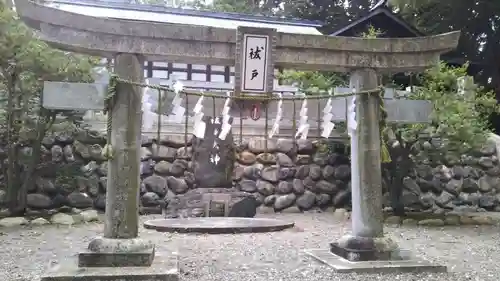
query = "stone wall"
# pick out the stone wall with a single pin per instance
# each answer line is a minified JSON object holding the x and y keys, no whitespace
{"x":73,"y":176}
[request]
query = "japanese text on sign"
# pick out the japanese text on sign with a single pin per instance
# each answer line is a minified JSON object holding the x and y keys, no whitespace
{"x":255,"y":63}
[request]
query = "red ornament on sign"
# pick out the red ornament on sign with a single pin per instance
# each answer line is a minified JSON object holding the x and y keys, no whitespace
{"x":255,"y":112}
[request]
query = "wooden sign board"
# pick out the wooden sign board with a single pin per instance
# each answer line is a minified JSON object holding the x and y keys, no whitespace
{"x":254,"y":69}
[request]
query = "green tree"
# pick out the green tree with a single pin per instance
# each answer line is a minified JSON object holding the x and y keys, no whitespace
{"x":25,"y":62}
{"x":459,"y":125}
{"x":480,"y":26}
{"x":460,"y":120}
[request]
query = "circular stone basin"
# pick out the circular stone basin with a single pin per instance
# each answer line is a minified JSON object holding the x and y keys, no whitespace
{"x":218,"y":225}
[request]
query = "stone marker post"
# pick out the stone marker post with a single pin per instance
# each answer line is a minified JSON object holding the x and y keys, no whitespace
{"x":120,"y":245}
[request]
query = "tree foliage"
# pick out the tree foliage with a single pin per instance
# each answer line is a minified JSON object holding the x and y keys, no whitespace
{"x":459,"y":119}
{"x":25,"y":62}
{"x":478,"y":21}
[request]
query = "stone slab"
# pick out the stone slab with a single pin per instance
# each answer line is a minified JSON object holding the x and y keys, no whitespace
{"x":341,"y":265}
{"x":73,"y":96}
{"x":164,"y":268}
{"x":93,"y":259}
{"x":398,"y":110}
{"x":218,"y":225}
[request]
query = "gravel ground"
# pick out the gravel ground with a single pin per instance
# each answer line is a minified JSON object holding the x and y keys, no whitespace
{"x":468,"y":251}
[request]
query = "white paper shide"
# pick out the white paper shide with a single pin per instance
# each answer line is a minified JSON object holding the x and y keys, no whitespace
{"x":254,"y":63}
{"x":327,"y":123}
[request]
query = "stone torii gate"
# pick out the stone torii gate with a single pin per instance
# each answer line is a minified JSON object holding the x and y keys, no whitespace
{"x":132,"y":42}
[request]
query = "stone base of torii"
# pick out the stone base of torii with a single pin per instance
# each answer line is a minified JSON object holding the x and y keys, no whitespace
{"x":121,"y":254}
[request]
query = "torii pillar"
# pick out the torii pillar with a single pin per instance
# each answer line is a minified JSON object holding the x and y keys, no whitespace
{"x":131,"y":41}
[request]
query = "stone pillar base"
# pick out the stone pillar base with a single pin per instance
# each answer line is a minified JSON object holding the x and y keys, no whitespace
{"x":163,"y":268}
{"x":105,"y":252}
{"x":354,"y":248}
{"x":371,"y":255}
{"x":117,"y":260}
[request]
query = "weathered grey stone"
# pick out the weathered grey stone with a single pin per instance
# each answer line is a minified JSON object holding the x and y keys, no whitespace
{"x":306,"y":201}
{"x":488,"y":202}
{"x":185,"y":152}
{"x":310,"y":184}
{"x":191,"y":203}
{"x":489,"y":148}
{"x":238,"y":172}
{"x":39,"y":221}
{"x":454,"y":186}
{"x":68,"y":153}
{"x":62,"y":219}
{"x":176,"y":141}
{"x":302,"y":172}
{"x":286,"y":173}
{"x":326,"y":187}
{"x":248,"y":186}
{"x":189,"y":178}
{"x":470,"y":185}
{"x":177,"y":185}
{"x":38,"y":201}
{"x":287,"y":146}
{"x":89,"y":215}
{"x":265,"y":188}
{"x":284,"y":160}
{"x":321,"y":159}
{"x":270,"y":174}
{"x":13,"y":221}
{"x":145,"y":153}
{"x":486,"y":162}
{"x":178,"y":167}
{"x":100,"y":202}
{"x":298,"y":186}
{"x":328,"y":172}
{"x":258,"y":145}
{"x":95,"y":152}
{"x":150,"y":199}
{"x":162,"y":167}
{"x":266,"y":158}
{"x":79,"y":200}
{"x":315,"y":171}
{"x":284,"y":201}
{"x":284,"y":187}
{"x":253,"y":172}
{"x":305,"y":146}
{"x":303,"y":159}
{"x":431,"y":222}
{"x":161,"y":152}
{"x":342,"y":172}
{"x":323,"y":199}
{"x":487,"y":183}
{"x":269,"y":200}
{"x":45,"y":186}
{"x":342,"y":198}
{"x":208,"y":172}
{"x":246,"y":158}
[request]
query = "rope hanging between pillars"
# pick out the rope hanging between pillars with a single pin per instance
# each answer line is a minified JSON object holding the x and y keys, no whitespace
{"x":114,"y":80}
